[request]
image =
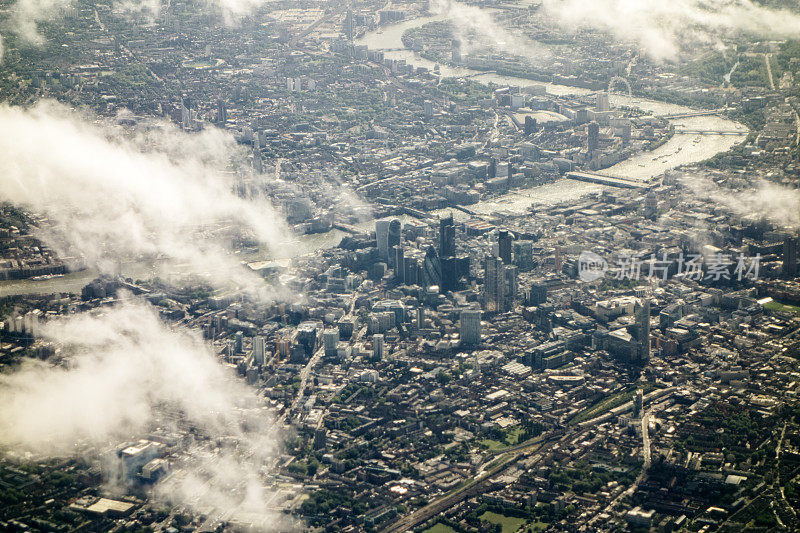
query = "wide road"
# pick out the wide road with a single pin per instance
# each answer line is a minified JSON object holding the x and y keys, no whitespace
{"x":767,"y":60}
{"x":645,"y":422}
{"x":312,"y":363}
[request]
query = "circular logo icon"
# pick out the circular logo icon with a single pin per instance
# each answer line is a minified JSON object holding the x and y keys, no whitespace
{"x":591,"y":266}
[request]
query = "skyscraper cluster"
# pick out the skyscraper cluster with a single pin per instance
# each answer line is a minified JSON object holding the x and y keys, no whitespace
{"x":500,"y":277}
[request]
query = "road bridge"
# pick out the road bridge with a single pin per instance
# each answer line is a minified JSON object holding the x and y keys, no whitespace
{"x":464,"y":210}
{"x":709,"y":132}
{"x":708,"y":113}
{"x":611,"y":181}
{"x":347,"y":228}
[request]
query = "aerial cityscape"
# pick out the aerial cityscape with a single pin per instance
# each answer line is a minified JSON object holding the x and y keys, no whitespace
{"x":431,"y":266}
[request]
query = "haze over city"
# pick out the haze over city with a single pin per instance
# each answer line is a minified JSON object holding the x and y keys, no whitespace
{"x":434,"y":266}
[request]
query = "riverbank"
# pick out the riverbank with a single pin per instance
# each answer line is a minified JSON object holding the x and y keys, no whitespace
{"x":677,"y":151}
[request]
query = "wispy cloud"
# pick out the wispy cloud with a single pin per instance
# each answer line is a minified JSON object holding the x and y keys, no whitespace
{"x":122,"y":368}
{"x":26,"y":15}
{"x":665,"y":29}
{"x":124,"y":373}
{"x":475,"y":27}
{"x":777,"y":203}
{"x":113,"y":195}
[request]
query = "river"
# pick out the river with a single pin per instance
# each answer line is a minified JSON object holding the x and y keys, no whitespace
{"x":679,"y":150}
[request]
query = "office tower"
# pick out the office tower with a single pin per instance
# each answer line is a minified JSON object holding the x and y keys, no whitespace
{"x":491,"y":173}
{"x":463,"y":266}
{"x":593,"y":136}
{"x":638,"y":403}
{"x":447,"y":252}
{"x":258,"y":163}
{"x":428,"y":108}
{"x":330,"y":340}
{"x":222,"y":111}
{"x":523,"y":255}
{"x":382,"y":238}
{"x":642,"y":316}
{"x":346,"y":327}
{"x":393,"y":238}
{"x":449,"y":273}
{"x":283,"y":347}
{"x":510,"y":273}
{"x":349,"y":25}
{"x":790,"y":257}
{"x":431,"y":268}
{"x":320,"y":438}
{"x":530,"y":125}
{"x":603,"y":104}
{"x":626,"y":133}
{"x":536,"y":294}
{"x":258,"y":350}
{"x":420,"y":318}
{"x":650,"y":205}
{"x":377,"y":271}
{"x":447,"y":237}
{"x":186,"y":115}
{"x":493,"y":284}
{"x":377,"y":346}
{"x":399,"y":264}
{"x":411,"y":274}
{"x":470,"y":326}
{"x":504,"y":241}
{"x":387,"y":234}
{"x":306,"y":335}
{"x":455,"y":54}
{"x":239,"y":342}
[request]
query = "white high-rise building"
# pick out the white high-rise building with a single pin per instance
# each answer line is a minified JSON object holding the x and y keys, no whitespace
{"x":258,"y":350}
{"x":471,"y":326}
{"x":382,"y":238}
{"x":330,"y":340}
{"x":377,"y":346}
{"x":602,"y":104}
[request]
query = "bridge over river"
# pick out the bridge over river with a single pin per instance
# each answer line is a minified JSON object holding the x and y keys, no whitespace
{"x":611,"y":181}
{"x":691,"y":114}
{"x":708,"y":132}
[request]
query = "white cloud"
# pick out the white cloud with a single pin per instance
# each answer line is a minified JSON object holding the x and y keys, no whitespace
{"x":476,"y":27}
{"x":123,"y":367}
{"x":124,"y":374}
{"x":112,"y":195}
{"x":663,"y":29}
{"x":777,"y":203}
{"x":26,"y":15}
